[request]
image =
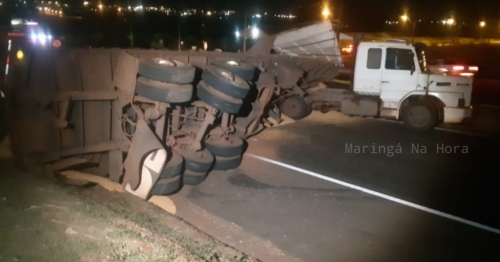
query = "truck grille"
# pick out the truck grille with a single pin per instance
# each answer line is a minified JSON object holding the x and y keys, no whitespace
{"x":461,"y":102}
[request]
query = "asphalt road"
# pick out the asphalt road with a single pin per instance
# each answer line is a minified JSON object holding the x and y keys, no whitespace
{"x":278,"y":211}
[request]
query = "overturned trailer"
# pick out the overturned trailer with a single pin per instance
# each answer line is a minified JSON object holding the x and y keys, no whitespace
{"x":155,"y":120}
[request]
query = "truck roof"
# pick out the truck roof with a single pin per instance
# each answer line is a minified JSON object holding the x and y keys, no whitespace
{"x":390,"y":43}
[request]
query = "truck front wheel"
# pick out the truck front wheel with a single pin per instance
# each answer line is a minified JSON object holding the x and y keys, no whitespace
{"x":420,"y":116}
{"x":295,"y":107}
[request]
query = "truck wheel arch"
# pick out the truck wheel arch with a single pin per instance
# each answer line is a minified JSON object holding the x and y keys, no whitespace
{"x":433,"y":100}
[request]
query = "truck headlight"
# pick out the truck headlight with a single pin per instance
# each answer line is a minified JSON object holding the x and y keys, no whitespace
{"x":42,"y":38}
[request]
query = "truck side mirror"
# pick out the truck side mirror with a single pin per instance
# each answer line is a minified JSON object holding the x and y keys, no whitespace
{"x":412,"y":70}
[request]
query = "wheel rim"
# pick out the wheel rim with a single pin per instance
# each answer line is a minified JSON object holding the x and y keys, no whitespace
{"x":232,"y":63}
{"x":164,"y":62}
{"x":291,"y":107}
{"x":228,"y":75}
{"x":419,"y":116}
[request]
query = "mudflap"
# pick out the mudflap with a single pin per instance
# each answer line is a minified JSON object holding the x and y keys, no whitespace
{"x":145,"y":161}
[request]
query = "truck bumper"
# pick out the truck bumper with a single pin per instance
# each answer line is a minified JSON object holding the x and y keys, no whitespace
{"x":456,"y":115}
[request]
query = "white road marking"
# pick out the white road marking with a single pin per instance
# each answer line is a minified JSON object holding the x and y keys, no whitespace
{"x":490,"y":106}
{"x":465,"y":133}
{"x":443,"y":129}
{"x":374,"y":193}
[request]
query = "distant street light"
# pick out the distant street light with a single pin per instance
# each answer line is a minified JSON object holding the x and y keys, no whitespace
{"x":255,"y":32}
{"x":451,"y":22}
{"x":406,"y":18}
{"x":237,"y":34}
{"x":482,"y":24}
{"x":325,"y":13}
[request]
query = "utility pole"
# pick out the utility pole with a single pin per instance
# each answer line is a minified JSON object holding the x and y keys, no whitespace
{"x":339,"y":19}
{"x":245,"y":34}
{"x":131,"y":36}
{"x":459,"y":27}
{"x":413,"y":32}
{"x":179,"y":34}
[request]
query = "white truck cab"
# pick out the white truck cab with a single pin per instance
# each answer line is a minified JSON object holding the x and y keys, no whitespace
{"x":395,"y":72}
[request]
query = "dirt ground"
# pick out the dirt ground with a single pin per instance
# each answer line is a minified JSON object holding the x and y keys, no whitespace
{"x":42,"y":219}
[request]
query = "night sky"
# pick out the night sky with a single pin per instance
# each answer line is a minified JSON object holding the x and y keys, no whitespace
{"x":473,"y":9}
{"x":362,"y":13}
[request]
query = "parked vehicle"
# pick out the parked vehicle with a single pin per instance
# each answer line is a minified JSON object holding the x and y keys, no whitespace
{"x":451,"y":67}
{"x":390,"y":81}
{"x":155,"y":120}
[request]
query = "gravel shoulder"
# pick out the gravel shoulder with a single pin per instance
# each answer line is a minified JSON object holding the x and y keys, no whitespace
{"x":44,"y":220}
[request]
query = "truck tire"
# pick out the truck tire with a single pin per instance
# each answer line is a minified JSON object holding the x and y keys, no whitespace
{"x":225,"y":82}
{"x":218,"y":100}
{"x":227,"y":163}
{"x":241,"y":69}
{"x":193,"y":178}
{"x":174,"y":166}
{"x":167,"y":70}
{"x":226,"y":147}
{"x":201,"y":161}
{"x":166,"y":186}
{"x":295,"y":107}
{"x":420,"y":116}
{"x":164,"y":92}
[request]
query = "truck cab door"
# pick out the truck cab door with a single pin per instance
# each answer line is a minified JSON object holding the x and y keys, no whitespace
{"x":399,"y":75}
{"x":368,"y":71}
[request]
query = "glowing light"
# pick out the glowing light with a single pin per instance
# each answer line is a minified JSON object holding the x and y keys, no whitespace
{"x":86,"y":3}
{"x":237,"y":34}
{"x":325,"y":12}
{"x":255,"y":32}
{"x":42,"y":38}
{"x":482,"y":24}
{"x":100,"y":6}
{"x":450,"y":21}
{"x":20,"y":55}
{"x":405,"y":18}
{"x":16,"y":22}
{"x":209,"y":13}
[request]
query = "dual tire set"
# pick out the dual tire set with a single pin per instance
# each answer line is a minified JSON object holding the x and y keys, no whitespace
{"x":223,"y":85}
{"x":167,"y":81}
